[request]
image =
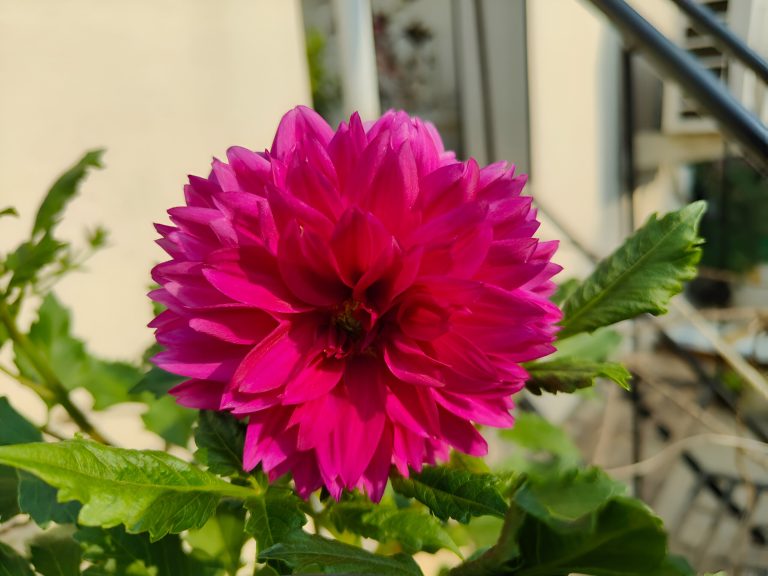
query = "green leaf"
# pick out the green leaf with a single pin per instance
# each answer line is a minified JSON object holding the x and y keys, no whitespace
{"x":9,"y":499}
{"x":63,"y":190}
{"x":97,"y":237}
{"x":627,"y":539}
{"x":38,"y":499}
{"x":597,"y":346}
{"x":144,"y":490}
{"x":56,"y":553}
{"x":30,"y":257}
{"x":157,"y":381}
{"x":676,"y":566}
{"x":222,"y":537}
{"x":641,"y":276}
{"x":561,"y":502}
{"x":536,"y":434}
{"x":220,"y":439}
{"x":115,"y":552}
{"x":451,"y":493}
{"x":564,"y":290}
{"x":11,"y":564}
{"x":574,"y":524}
{"x":108,"y":382}
{"x":274,"y":516}
{"x":414,"y":528}
{"x":50,"y":333}
{"x":302,"y":552}
{"x":169,"y":420}
{"x":571,"y":374}
{"x":14,"y":429}
{"x":474,"y":464}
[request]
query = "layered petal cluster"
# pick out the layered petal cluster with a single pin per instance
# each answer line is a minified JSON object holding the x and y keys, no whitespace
{"x":359,"y":295}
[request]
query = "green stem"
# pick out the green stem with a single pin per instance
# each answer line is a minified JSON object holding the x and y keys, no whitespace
{"x":54,"y":389}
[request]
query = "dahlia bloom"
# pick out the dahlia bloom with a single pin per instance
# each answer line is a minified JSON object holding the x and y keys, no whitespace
{"x":360,"y":296}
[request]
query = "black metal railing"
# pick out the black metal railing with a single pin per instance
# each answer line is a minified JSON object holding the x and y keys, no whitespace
{"x":706,"y":22}
{"x":677,"y":65}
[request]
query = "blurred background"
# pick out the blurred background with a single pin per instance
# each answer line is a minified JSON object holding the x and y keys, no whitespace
{"x":615,"y":110}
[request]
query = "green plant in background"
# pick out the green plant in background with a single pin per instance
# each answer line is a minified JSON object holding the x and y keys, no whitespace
{"x":105,"y":510}
{"x":326,"y":92}
{"x":736,"y":226}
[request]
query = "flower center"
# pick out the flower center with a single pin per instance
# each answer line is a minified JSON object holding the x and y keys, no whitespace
{"x":351,"y":329}
{"x":348,"y":319}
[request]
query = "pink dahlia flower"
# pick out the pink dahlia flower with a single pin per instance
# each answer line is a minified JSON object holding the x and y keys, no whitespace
{"x":360,"y":296}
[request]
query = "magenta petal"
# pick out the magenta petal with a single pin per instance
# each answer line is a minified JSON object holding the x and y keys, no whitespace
{"x":198,"y":394}
{"x":305,"y":266}
{"x":235,"y":325}
{"x":259,"y":285}
{"x":462,"y":435}
{"x":409,"y":363}
{"x":275,"y":359}
{"x":316,"y":379}
{"x":300,"y":124}
{"x":376,"y":474}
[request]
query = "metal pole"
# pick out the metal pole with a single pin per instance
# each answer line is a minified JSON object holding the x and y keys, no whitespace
{"x":359,"y":78}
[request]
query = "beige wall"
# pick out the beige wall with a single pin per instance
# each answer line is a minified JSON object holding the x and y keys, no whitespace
{"x":164,"y":85}
{"x":573,"y":63}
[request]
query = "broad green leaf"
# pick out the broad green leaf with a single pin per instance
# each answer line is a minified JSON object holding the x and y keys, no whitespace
{"x":474,"y":464}
{"x":571,"y":374}
{"x":114,"y":552}
{"x":157,"y":381}
{"x":641,"y":276}
{"x":63,"y":190}
{"x":274,"y":516}
{"x":144,"y":490}
{"x":169,"y":420}
{"x":11,"y":564}
{"x":451,"y":493}
{"x":677,"y":566}
{"x":56,"y":553}
{"x":222,"y":537}
{"x":14,"y":429}
{"x":413,"y":528}
{"x":561,"y":501}
{"x":108,"y":382}
{"x":220,"y":439}
{"x":9,"y":500}
{"x":534,"y":433}
{"x":577,"y":524}
{"x":304,"y":552}
{"x":138,"y":568}
{"x":626,"y":540}
{"x":564,"y":290}
{"x":39,"y":500}
{"x":597,"y":346}
{"x":50,"y":333}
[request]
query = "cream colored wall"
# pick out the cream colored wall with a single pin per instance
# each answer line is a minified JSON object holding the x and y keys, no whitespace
{"x":164,"y":85}
{"x":573,"y":63}
{"x":573,"y":67}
